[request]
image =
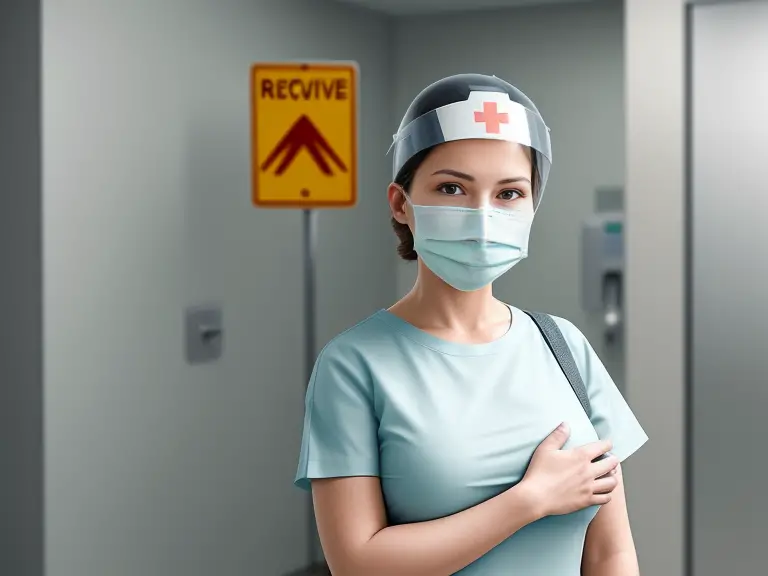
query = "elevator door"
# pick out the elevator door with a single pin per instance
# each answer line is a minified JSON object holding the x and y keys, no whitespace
{"x":729,"y":282}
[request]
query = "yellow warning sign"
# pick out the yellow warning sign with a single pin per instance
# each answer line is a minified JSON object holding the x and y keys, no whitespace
{"x":304,"y":135}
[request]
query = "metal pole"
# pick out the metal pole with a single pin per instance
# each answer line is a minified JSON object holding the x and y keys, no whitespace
{"x":309,"y":221}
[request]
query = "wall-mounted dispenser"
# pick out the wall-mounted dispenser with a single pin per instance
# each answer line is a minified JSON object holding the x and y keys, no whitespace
{"x":602,"y":253}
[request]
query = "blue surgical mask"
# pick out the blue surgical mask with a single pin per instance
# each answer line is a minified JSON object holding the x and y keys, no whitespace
{"x":469,"y":248}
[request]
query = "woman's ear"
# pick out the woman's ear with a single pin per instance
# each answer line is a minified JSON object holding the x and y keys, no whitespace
{"x":397,"y":203}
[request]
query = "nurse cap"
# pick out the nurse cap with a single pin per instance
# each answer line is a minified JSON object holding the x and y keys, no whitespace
{"x":468,"y":106}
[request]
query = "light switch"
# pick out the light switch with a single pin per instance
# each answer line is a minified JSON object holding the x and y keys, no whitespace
{"x":204,"y":334}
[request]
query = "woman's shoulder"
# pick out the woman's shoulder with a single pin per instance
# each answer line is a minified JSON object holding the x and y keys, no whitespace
{"x":364,"y":338}
{"x":346,"y":361}
{"x":572,"y":334}
{"x":575,"y":339}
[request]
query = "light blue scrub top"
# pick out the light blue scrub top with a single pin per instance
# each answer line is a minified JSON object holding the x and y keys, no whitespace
{"x":447,"y":426}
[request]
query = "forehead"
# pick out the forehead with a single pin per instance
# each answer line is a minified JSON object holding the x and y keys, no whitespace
{"x":480,"y":156}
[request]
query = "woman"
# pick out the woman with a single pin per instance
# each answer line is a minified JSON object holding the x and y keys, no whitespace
{"x":441,"y":436}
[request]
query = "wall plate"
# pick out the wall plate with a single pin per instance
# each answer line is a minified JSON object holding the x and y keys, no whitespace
{"x":204,"y":334}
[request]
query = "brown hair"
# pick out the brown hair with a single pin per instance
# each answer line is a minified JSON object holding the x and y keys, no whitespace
{"x":405,"y":178}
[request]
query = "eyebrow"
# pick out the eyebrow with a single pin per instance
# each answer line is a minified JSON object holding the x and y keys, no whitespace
{"x":470,"y":178}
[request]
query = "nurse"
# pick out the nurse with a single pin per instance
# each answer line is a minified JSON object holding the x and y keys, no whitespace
{"x":441,"y":436}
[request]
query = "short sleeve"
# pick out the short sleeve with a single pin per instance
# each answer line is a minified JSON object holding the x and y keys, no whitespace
{"x":340,"y":435}
{"x":612,"y":417}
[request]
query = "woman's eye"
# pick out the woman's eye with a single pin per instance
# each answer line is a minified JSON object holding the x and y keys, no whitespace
{"x":510,"y":194}
{"x":451,"y":189}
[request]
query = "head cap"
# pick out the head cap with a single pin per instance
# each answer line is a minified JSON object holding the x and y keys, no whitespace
{"x":468,"y":106}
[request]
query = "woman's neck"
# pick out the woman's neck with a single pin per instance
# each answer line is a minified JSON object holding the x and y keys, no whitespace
{"x":434,"y":304}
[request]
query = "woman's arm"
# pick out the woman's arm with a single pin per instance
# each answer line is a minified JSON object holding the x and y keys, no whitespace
{"x":609,"y":549}
{"x":352,"y":520}
{"x":356,"y":540}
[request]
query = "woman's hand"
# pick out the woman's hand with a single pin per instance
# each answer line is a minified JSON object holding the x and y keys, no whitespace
{"x":564,"y":481}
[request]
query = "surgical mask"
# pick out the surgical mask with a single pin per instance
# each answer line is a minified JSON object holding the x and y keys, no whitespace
{"x":469,"y":248}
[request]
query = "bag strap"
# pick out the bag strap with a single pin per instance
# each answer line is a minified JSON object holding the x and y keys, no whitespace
{"x":562,"y":353}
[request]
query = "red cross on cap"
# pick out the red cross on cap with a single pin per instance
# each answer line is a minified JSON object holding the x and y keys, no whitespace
{"x":492,"y":117}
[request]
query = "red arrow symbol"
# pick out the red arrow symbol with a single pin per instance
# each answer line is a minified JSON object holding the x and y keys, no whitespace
{"x":303,"y":134}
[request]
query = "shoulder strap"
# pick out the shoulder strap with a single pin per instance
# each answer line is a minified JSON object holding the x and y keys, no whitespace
{"x":559,"y":347}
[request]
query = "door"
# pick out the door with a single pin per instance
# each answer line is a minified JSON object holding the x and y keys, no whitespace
{"x":728,"y":321}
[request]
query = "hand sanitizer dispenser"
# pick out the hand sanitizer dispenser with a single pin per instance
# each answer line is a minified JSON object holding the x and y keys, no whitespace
{"x":603,"y":269}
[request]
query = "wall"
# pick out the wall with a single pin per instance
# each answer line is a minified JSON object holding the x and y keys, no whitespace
{"x":655,"y":120}
{"x":568,"y":60}
{"x":154,"y":467}
{"x":21,"y":456}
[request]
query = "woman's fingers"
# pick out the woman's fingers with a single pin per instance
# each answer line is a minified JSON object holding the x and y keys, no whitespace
{"x":605,"y":485}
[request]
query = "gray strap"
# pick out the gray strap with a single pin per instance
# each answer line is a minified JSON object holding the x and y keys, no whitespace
{"x":559,"y":347}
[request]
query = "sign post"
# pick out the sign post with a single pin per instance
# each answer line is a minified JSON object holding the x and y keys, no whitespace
{"x":304,"y":156}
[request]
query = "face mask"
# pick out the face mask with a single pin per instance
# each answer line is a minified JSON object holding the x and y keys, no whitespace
{"x":469,"y":248}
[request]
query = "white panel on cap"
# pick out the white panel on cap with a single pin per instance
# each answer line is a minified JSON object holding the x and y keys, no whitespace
{"x":458,"y":121}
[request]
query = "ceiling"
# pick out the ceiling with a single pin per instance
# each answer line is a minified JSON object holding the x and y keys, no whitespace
{"x":410,"y":7}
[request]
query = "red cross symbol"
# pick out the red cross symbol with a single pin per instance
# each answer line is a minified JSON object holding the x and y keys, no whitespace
{"x":492,"y":117}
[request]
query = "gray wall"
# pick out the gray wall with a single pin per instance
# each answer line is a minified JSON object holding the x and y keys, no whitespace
{"x":655,"y":120}
{"x":569,"y":60}
{"x":21,"y":455}
{"x":156,"y":468}
{"x":153,"y":467}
